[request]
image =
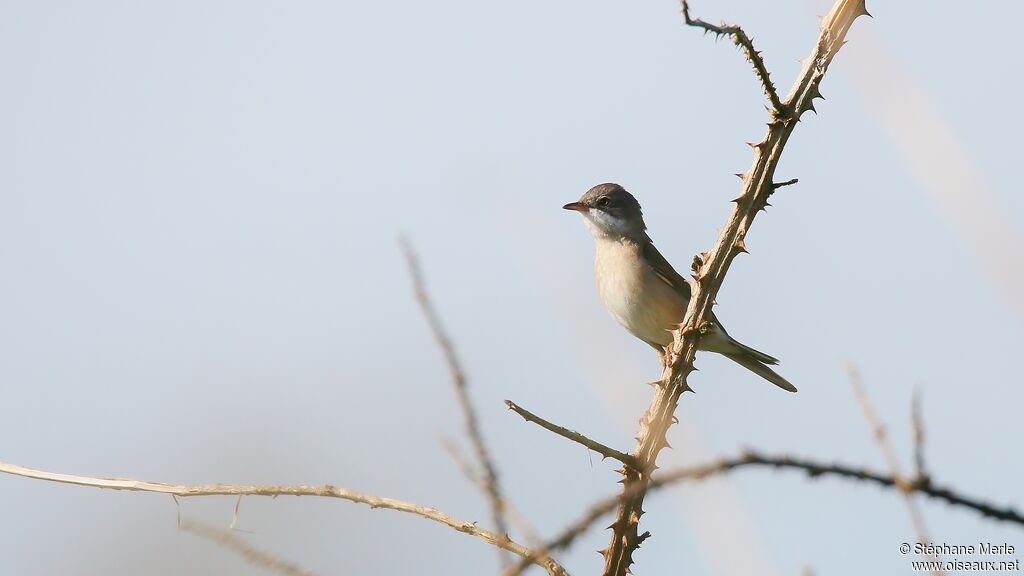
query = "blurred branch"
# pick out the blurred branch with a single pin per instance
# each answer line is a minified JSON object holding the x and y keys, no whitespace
{"x":758,"y":185}
{"x":326,"y":491}
{"x":754,"y":459}
{"x":514,"y":516}
{"x":889,"y":453}
{"x":917,"y":427}
{"x":740,"y":38}
{"x":254,"y":556}
{"x":573,"y":435}
{"x":483,"y":456}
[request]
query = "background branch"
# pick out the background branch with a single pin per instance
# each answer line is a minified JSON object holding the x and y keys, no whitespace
{"x":489,"y":474}
{"x":754,"y":459}
{"x":253,"y":555}
{"x":326,"y":491}
{"x":513,"y":515}
{"x":757,"y":187}
{"x":889,"y":454}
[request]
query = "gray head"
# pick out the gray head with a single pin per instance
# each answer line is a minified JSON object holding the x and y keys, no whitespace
{"x":611,"y":212}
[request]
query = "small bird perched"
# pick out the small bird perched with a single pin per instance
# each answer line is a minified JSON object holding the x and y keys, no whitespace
{"x":641,"y":290}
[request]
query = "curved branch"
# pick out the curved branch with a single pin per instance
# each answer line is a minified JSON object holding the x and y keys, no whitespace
{"x":326,"y":491}
{"x":740,"y":38}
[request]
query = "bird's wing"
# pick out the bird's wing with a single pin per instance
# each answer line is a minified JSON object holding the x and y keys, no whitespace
{"x":665,"y":271}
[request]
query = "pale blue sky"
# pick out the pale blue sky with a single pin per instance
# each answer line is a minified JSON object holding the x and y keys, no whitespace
{"x":199,"y":205}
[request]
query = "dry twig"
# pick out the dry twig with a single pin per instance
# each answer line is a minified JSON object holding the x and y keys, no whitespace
{"x":253,"y":555}
{"x":483,"y":456}
{"x":326,"y":491}
{"x":917,"y":435}
{"x":573,"y":435}
{"x":758,"y":185}
{"x":740,"y":38}
{"x":753,"y":459}
{"x":889,"y":454}
{"x":515,"y":517}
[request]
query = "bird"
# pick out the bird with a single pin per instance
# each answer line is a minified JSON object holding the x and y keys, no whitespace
{"x":642,"y":291}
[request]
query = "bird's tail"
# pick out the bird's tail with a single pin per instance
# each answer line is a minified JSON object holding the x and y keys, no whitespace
{"x":757,"y":362}
{"x":755,"y":354}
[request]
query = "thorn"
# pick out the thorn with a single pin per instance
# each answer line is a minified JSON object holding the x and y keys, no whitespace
{"x":737,"y":199}
{"x":741,"y":175}
{"x":640,"y":539}
{"x":614,"y":525}
{"x":698,"y":261}
{"x":864,"y":10}
{"x":741,"y":246}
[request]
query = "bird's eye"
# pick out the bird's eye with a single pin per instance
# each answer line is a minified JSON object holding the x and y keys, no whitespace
{"x":603,"y":202}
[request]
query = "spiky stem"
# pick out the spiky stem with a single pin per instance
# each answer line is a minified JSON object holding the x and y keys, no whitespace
{"x":757,"y":188}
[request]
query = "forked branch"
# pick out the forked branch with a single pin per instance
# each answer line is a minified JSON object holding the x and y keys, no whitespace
{"x":326,"y":491}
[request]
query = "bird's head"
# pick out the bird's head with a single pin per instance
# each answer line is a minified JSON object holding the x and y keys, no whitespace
{"x":611,"y":212}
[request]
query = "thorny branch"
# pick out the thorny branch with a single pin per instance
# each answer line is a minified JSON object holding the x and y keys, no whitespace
{"x":489,"y":474}
{"x":740,"y":38}
{"x":754,"y":459}
{"x":758,"y":185}
{"x":573,"y":435}
{"x":326,"y":491}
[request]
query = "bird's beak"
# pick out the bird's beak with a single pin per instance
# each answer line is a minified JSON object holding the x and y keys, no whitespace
{"x":577,"y":206}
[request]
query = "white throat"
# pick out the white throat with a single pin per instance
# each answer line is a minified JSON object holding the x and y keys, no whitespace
{"x":603,"y":225}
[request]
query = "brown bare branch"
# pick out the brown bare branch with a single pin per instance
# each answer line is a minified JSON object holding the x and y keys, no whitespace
{"x":740,"y":38}
{"x":752,"y":459}
{"x":515,"y":517}
{"x":326,"y":491}
{"x":253,"y":555}
{"x":573,"y":435}
{"x":483,"y":457}
{"x":757,"y":188}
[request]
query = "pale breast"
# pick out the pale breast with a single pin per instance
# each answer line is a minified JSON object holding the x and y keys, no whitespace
{"x":634,"y":295}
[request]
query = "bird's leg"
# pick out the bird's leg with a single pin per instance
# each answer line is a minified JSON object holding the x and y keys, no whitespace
{"x":665,"y":358}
